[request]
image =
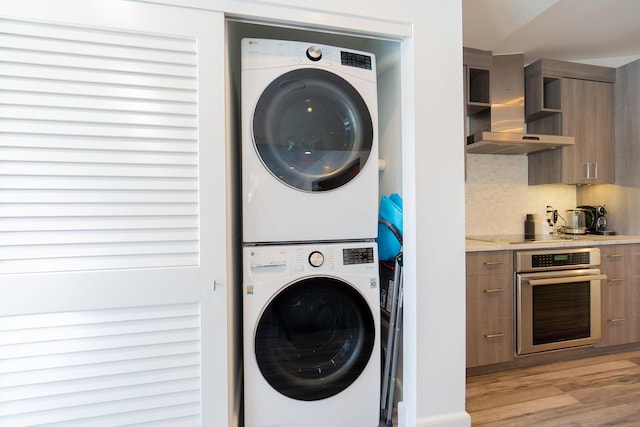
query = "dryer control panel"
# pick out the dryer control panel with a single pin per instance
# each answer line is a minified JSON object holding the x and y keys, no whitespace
{"x":277,"y":53}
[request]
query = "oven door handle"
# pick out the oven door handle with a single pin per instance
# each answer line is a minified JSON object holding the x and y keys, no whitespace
{"x":560,"y":280}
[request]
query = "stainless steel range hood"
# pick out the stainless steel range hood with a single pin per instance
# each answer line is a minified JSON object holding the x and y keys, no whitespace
{"x":514,"y":143}
{"x":507,"y":128}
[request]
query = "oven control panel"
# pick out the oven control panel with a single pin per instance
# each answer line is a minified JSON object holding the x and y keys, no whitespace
{"x":557,"y":259}
{"x":561,"y":259}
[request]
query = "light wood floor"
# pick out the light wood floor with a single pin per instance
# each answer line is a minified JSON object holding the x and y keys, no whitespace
{"x":599,"y":391}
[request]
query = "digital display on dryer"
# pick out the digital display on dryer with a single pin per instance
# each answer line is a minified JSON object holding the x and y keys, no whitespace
{"x":355,"y":60}
{"x":357,"y":256}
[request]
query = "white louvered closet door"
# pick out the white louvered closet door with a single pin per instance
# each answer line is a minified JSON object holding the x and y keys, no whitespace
{"x":112,"y":215}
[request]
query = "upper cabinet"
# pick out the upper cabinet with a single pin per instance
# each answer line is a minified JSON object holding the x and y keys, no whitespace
{"x":543,"y":95}
{"x":565,"y":98}
{"x":627,"y":126}
{"x":477,"y":78}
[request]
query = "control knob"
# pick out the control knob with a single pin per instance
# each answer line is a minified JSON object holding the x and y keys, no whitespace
{"x":316,"y":259}
{"x":314,"y":53}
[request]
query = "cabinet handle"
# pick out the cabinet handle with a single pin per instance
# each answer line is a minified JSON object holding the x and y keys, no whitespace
{"x":587,"y":170}
{"x":616,"y":320}
{"x":490,"y":263}
{"x":493,"y":291}
{"x":491,"y":336}
{"x":572,"y":279}
{"x":616,"y":256}
{"x":615,"y":280}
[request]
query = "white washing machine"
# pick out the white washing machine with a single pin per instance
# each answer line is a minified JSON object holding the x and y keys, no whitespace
{"x":309,"y":142}
{"x":311,"y":335}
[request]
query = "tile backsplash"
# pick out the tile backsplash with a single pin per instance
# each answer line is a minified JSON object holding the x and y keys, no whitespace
{"x":498,"y":196}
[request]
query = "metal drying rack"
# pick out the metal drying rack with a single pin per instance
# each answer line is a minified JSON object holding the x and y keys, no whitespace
{"x":393,"y":337}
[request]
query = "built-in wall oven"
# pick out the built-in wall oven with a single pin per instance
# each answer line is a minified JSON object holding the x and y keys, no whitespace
{"x":557,"y":299}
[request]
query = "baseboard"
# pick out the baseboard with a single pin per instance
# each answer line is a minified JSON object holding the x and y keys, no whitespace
{"x":455,"y":419}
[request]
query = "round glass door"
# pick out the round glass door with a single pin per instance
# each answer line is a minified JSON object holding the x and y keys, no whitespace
{"x":312,"y":130}
{"x":314,"y":338}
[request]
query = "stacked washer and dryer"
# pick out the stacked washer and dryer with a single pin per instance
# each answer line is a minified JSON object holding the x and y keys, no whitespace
{"x":311,"y":304}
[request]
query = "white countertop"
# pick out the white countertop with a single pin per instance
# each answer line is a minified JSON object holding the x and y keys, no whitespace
{"x":559,"y":242}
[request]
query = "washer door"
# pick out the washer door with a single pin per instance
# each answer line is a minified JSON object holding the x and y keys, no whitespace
{"x":314,"y":338}
{"x":312,"y":130}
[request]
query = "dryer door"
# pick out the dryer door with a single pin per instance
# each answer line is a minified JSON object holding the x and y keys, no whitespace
{"x":312,"y":130}
{"x":314,"y":338}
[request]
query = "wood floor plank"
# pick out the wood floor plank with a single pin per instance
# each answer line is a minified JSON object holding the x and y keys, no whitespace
{"x":578,"y":415}
{"x":572,"y":373}
{"x":510,"y":396}
{"x":506,"y":412}
{"x":623,"y":381}
{"x":521,"y":378}
{"x":620,"y":415}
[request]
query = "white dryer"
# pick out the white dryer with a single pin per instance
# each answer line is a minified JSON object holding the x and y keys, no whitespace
{"x":309,"y":142}
{"x":311,"y":335}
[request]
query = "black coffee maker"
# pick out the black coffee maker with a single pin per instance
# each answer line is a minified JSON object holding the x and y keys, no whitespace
{"x":597,"y":220}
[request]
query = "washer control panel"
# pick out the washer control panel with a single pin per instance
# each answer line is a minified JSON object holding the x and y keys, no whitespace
{"x":315,"y":258}
{"x":312,"y":258}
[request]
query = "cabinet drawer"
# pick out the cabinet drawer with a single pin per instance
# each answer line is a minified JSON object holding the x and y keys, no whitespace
{"x":489,"y":297}
{"x":615,"y":292}
{"x":616,"y":260}
{"x":486,"y":263}
{"x":489,"y":342}
{"x":619,"y":326}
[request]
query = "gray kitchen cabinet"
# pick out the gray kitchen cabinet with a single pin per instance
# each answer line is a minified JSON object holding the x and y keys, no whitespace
{"x":477,"y":74}
{"x":490,"y":334}
{"x":620,"y":293}
{"x":543,"y":96}
{"x":572,"y":100}
{"x":627,"y":125}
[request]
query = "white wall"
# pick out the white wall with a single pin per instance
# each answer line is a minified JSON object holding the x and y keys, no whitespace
{"x":498,"y":196}
{"x":434,"y":178}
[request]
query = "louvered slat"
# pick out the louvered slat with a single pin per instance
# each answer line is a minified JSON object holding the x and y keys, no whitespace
{"x":95,"y":35}
{"x":85,"y":115}
{"x":107,"y":157}
{"x":108,"y":104}
{"x":99,"y":223}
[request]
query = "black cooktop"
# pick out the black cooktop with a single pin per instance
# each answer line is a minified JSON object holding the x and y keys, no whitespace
{"x":519,"y":238}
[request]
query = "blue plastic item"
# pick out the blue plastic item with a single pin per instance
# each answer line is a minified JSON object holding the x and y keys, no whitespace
{"x":390,"y":227}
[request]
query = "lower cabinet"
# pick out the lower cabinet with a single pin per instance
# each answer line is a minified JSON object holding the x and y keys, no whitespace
{"x":620,"y":293}
{"x":490,"y":334}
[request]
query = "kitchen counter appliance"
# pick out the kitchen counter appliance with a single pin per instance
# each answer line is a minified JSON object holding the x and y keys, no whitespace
{"x":599,"y":220}
{"x":557,"y":299}
{"x":578,"y":221}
